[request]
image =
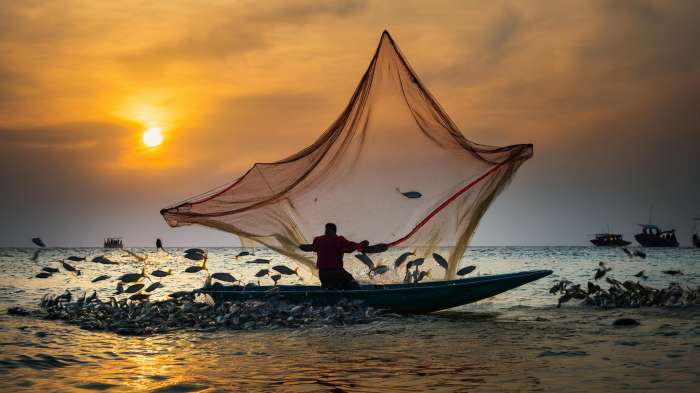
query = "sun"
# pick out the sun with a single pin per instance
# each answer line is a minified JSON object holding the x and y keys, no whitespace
{"x":152,"y":137}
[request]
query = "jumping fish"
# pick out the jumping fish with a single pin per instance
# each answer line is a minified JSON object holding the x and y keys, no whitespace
{"x":466,"y":270}
{"x":159,"y":245}
{"x":402,"y":258}
{"x":120,"y":288}
{"x":50,"y":269}
{"x":260,"y":261}
{"x":627,"y":251}
{"x":422,"y":275}
{"x":104,"y":260}
{"x":262,"y":273}
{"x":440,"y":260}
{"x":195,"y":269}
{"x":276,"y":277}
{"x":36,"y":255}
{"x":38,"y":242}
{"x":415,"y":263}
{"x":161,"y":273}
{"x":154,"y":286}
{"x":227,"y":277}
{"x":242,"y":254}
{"x":132,"y":277}
{"x":640,"y":254}
{"x":410,"y":194}
{"x":379,"y":269}
{"x":43,"y":275}
{"x":70,"y":268}
{"x":641,"y":275}
{"x":134,"y":288}
{"x":194,"y":251}
{"x":365,"y":259}
{"x":285,"y":270}
{"x":100,"y":278}
{"x":76,"y":259}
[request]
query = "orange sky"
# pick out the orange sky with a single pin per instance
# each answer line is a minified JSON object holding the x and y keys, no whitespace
{"x":600,"y":87}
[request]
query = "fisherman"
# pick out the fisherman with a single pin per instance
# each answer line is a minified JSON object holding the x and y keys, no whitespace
{"x":330,"y":249}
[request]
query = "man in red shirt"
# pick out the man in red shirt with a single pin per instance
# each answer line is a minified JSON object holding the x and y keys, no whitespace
{"x":330,"y":249}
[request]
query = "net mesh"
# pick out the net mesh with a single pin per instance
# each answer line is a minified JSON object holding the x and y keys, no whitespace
{"x":393,"y":168}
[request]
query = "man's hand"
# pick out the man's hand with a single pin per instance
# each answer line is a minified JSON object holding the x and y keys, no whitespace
{"x":306,"y":247}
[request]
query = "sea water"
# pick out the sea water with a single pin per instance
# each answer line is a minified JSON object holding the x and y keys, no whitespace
{"x":515,"y":341}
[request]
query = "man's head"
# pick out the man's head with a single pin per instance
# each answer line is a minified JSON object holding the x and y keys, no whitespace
{"x":331,"y":229}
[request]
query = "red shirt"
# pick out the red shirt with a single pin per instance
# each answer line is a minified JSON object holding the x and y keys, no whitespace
{"x":330,"y":250}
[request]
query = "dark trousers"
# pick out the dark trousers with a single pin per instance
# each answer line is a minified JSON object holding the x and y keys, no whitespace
{"x":337,"y":279}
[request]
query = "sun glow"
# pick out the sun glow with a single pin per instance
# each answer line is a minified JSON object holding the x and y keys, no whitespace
{"x":152,"y":137}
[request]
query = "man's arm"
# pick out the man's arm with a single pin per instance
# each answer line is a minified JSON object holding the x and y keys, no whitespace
{"x":348,"y":246}
{"x":307,"y":247}
{"x":374,"y":248}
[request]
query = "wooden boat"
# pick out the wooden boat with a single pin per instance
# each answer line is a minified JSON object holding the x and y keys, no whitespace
{"x":404,"y":298}
{"x":652,"y":236}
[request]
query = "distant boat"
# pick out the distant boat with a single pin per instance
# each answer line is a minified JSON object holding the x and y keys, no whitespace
{"x":113,"y":242}
{"x":609,"y":240}
{"x":652,"y":236}
{"x":696,"y":237}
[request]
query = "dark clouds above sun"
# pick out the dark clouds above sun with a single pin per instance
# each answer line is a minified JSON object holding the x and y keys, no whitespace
{"x":606,"y":90}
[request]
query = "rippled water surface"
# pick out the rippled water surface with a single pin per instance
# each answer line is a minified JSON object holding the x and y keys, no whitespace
{"x":515,"y":341}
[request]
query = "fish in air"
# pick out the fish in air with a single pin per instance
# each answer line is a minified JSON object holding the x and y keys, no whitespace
{"x":154,"y":286}
{"x":410,"y":194}
{"x":194,"y":251}
{"x":76,"y":258}
{"x":440,"y":260}
{"x":402,"y":258}
{"x":378,"y":270}
{"x":466,"y":270}
{"x":161,"y":273}
{"x":260,"y":261}
{"x":137,"y":297}
{"x":640,"y":254}
{"x":366,"y":260}
{"x":285,"y":270}
{"x":43,"y":275}
{"x":242,"y":254}
{"x":70,"y":268}
{"x":276,"y":277}
{"x":672,"y":272}
{"x":415,"y":263}
{"x":100,"y":278}
{"x":104,"y":260}
{"x":50,"y":269}
{"x":262,"y":273}
{"x":38,"y":242}
{"x":132,"y":277}
{"x":134,"y":288}
{"x":195,"y":269}
{"x":36,"y":255}
{"x":226,"y":277}
{"x":641,"y":275}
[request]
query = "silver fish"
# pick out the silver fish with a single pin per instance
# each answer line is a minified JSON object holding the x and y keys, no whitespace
{"x":440,"y":260}
{"x":402,"y":258}
{"x":161,"y":273}
{"x":227,"y":277}
{"x":195,"y":256}
{"x":285,"y":270}
{"x":466,"y":270}
{"x":415,"y":263}
{"x":261,"y":273}
{"x":366,"y":260}
{"x":379,"y":269}
{"x":134,"y":288}
{"x":260,"y":261}
{"x":410,"y":194}
{"x":100,"y":278}
{"x":154,"y":286}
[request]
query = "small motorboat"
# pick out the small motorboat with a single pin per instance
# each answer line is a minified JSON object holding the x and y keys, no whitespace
{"x":609,"y":240}
{"x":403,"y":298}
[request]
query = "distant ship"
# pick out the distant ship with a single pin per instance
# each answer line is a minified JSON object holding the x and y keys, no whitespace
{"x":609,"y":240}
{"x":652,"y":236}
{"x":113,"y":242}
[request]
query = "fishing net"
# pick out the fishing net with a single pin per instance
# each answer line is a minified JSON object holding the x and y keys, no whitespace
{"x":393,"y":168}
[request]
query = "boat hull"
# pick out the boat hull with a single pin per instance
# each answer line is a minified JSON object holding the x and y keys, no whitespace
{"x":403,"y":298}
{"x":612,"y":243}
{"x":655,"y":241}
